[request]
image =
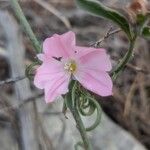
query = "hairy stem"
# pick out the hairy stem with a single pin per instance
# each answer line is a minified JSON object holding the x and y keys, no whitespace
{"x":81,"y":129}
{"x":125,"y":59}
{"x":71,"y":103}
{"x":20,"y":15}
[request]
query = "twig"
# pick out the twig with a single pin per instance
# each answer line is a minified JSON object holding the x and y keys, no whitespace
{"x":54,"y":11}
{"x":11,"y":115}
{"x":136,"y":68}
{"x":16,"y":50}
{"x":12,"y":80}
{"x":143,"y":94}
{"x":20,"y":104}
{"x":130,"y":96}
{"x":34,"y":97}
{"x":43,"y":139}
{"x":107,"y":35}
{"x":19,"y":13}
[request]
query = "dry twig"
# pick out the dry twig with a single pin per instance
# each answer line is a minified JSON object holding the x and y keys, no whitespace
{"x":128,"y":101}
{"x":107,"y":35}
{"x":12,"y":80}
{"x":136,"y":68}
{"x":54,"y":11}
{"x":20,"y":104}
{"x":22,"y":90}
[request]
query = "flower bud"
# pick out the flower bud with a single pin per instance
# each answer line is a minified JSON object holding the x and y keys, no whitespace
{"x":136,"y":8}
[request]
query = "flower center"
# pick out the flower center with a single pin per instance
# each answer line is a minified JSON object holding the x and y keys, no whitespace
{"x":70,"y":66}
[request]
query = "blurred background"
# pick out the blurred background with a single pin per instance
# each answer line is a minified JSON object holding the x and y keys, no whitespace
{"x":27,"y":123}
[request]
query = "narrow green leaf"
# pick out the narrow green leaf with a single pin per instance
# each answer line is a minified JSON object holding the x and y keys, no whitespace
{"x":97,"y":8}
{"x":146,"y":32}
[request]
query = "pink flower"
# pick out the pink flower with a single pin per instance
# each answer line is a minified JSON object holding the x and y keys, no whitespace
{"x":63,"y":60}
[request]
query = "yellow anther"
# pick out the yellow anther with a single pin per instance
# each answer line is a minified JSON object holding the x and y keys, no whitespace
{"x":70,"y":66}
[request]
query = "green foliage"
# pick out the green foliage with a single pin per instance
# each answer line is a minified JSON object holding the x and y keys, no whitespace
{"x":141,"y":19}
{"x":146,"y":32}
{"x":97,"y":8}
{"x":20,"y":15}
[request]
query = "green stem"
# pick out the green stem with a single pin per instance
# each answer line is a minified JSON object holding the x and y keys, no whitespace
{"x":98,"y":116}
{"x":71,"y":103}
{"x":125,"y":59}
{"x":81,"y":128}
{"x":19,"y":13}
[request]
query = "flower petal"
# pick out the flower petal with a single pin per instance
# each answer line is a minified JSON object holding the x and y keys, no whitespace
{"x":56,"y":87}
{"x":94,"y":58}
{"x":59,"y":45}
{"x":95,"y":81}
{"x":48,"y":71}
{"x":68,"y":39}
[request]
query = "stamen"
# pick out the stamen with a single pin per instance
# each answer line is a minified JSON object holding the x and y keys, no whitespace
{"x":70,"y":66}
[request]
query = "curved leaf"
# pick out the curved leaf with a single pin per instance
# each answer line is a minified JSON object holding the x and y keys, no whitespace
{"x":99,"y":9}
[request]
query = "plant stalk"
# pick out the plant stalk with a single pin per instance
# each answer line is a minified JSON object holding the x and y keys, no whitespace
{"x":71,"y":103}
{"x":125,"y":59}
{"x":20,"y":15}
{"x":81,"y":128}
